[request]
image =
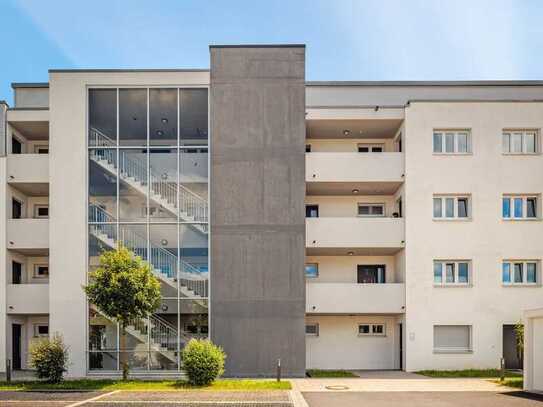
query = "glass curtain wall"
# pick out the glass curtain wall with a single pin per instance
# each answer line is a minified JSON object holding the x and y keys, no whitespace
{"x":148,"y":189}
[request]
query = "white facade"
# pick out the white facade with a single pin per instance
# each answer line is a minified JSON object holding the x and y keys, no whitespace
{"x":372,"y":174}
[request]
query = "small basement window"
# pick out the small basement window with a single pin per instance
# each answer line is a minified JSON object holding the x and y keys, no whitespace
{"x":312,"y":329}
{"x":41,"y":330}
{"x":41,"y":270}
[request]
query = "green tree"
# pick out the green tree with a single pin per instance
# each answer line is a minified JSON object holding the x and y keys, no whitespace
{"x":124,"y":289}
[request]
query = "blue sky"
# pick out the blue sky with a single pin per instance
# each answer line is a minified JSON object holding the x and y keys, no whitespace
{"x":346,"y":39}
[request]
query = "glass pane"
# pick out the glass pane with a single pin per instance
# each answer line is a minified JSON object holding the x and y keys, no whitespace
{"x":437,"y":208}
{"x":506,"y":207}
{"x":311,"y":270}
{"x":516,"y":143}
{"x":136,"y":360}
{"x":163,"y":256}
{"x":102,"y":331}
{"x":363,"y":210}
{"x":363,"y":329}
{"x":133,"y":185}
{"x":194,"y":321}
{"x":531,"y":205}
{"x":377,"y":210}
{"x":506,"y":272}
{"x":529,"y":141}
{"x":378,"y":329}
{"x":438,"y":147}
{"x":102,"y":185}
{"x":193,"y":118}
{"x":163,"y":117}
{"x":163,"y":185}
{"x":103,"y":360}
{"x":449,"y":272}
{"x":193,"y":179}
{"x":449,"y":142}
{"x":518,"y":273}
{"x":463,"y":272}
{"x":133,"y":117}
{"x":462,"y":142}
{"x":438,"y":274}
{"x":462,"y":207}
{"x":449,"y":207}
{"x":518,"y":207}
{"x":531,"y":275}
{"x":193,"y":274}
{"x":506,"y":139}
{"x":164,"y":335}
{"x":134,"y":238}
{"x":102,"y":117}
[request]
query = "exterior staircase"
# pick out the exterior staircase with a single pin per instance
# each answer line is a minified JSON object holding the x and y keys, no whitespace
{"x":192,"y":282}
{"x":133,"y":172}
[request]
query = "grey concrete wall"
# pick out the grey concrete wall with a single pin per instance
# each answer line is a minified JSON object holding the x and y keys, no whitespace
{"x":257,"y":208}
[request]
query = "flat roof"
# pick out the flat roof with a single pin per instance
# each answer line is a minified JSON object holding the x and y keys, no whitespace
{"x":428,"y":83}
{"x":29,"y":85}
{"x":258,"y":46}
{"x":127,"y":70}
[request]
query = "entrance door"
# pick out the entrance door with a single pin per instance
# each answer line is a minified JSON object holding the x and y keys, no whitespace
{"x":371,"y":274}
{"x":512,"y":359}
{"x":16,"y":330}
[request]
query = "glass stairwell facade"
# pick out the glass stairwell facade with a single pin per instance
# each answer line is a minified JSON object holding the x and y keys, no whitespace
{"x":148,"y":189}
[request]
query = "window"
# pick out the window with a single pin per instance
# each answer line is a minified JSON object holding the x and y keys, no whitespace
{"x":41,"y":330}
{"x":16,"y":272}
{"x":308,"y":148}
{"x":16,"y":209}
{"x":311,"y":270}
{"x":452,"y":338}
{"x":371,"y":274}
{"x":41,"y":149}
{"x":371,"y":209}
{"x":451,"y":207}
{"x":452,"y":272}
{"x":41,"y":270}
{"x":41,"y":211}
{"x":371,"y":330}
{"x":519,"y":142}
{"x":520,"y":207}
{"x":452,"y":142}
{"x":371,"y":148}
{"x":517,"y":272}
{"x":312,"y":211}
{"x":312,"y":329}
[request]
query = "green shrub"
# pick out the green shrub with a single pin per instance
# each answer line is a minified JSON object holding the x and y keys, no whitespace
{"x":50,"y":358}
{"x":203,"y":361}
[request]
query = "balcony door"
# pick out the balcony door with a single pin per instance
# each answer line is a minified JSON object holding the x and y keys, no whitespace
{"x":16,"y":330}
{"x":371,"y":274}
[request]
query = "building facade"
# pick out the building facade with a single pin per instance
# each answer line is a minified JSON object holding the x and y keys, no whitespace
{"x":414,"y":206}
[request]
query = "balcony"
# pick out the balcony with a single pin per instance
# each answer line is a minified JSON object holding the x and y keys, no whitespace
{"x":330,"y":173}
{"x":29,"y":173}
{"x":337,"y":236}
{"x":28,"y":236}
{"x":28,"y":298}
{"x":350,"y":298}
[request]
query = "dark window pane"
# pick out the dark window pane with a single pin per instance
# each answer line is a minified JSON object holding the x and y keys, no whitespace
{"x":518,"y":272}
{"x":102,"y":117}
{"x":363,"y":149}
{"x":312,"y":211}
{"x":363,"y":329}
{"x":463,"y":272}
{"x":531,"y":269}
{"x":102,"y":185}
{"x":133,"y":117}
{"x":193,"y":116}
{"x":163,"y":117}
{"x":438,"y":143}
{"x":438,"y":274}
{"x":531,"y":205}
{"x":308,"y":148}
{"x":462,"y":207}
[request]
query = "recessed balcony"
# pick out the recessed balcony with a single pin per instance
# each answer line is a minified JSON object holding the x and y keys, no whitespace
{"x":354,"y":235}
{"x":352,"y":298}
{"x":341,"y":173}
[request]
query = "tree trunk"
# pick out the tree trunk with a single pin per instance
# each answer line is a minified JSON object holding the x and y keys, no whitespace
{"x":124,"y":363}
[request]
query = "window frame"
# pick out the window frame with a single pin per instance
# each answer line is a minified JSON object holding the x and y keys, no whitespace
{"x":525,"y":198}
{"x":370,"y":147}
{"x":316,"y":325}
{"x":371,"y":329}
{"x":371,"y":205}
{"x":523,"y":133}
{"x":456,"y":198}
{"x":443,"y":133}
{"x":456,"y":273}
{"x":36,"y":274}
{"x":524,"y":282}
{"x":316,"y":268}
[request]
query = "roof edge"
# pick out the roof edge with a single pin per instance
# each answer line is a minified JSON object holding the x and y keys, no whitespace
{"x":428,"y":83}
{"x":258,"y":46}
{"x":16,"y":85}
{"x":125,"y":70}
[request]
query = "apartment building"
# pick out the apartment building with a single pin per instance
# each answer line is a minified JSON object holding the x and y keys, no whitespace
{"x":414,"y":206}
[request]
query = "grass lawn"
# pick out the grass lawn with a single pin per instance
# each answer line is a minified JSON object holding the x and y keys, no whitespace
{"x":330,"y":373}
{"x":483,"y":373}
{"x":511,"y":382}
{"x":147,"y":385}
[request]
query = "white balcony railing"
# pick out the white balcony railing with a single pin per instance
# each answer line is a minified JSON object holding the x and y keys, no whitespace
{"x":351,"y":298}
{"x":354,"y":167}
{"x":28,"y":298}
{"x":355,"y":232}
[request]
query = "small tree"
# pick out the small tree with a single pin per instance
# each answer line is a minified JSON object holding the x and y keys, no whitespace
{"x":124,"y":289}
{"x":519,"y":333}
{"x":203,"y":361}
{"x":50,"y":358}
